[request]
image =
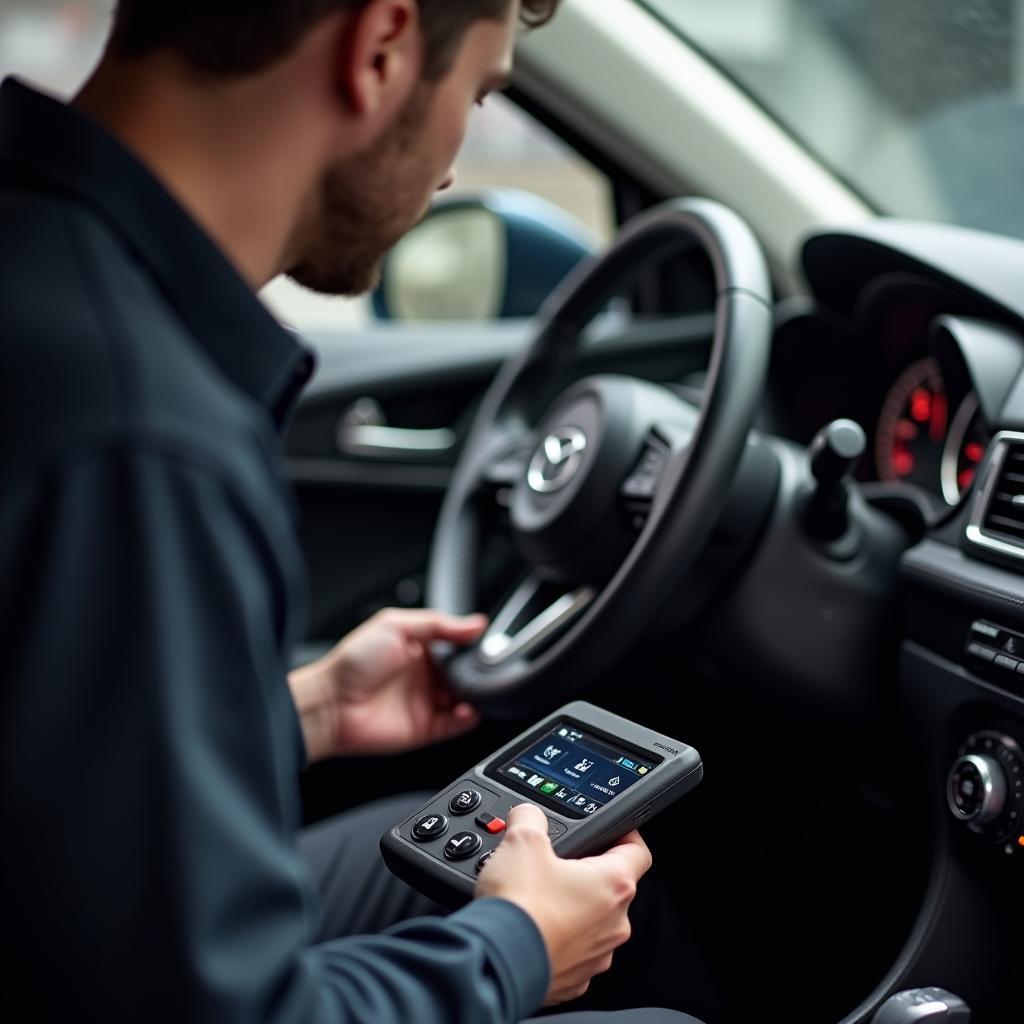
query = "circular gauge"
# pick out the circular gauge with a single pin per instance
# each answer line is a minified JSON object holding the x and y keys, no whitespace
{"x":913,"y":426}
{"x":916,"y":442}
{"x":964,"y":450}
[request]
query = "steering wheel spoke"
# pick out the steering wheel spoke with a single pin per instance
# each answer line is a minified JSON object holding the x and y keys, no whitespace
{"x":534,"y":614}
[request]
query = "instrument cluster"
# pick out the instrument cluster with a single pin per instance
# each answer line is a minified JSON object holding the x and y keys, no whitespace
{"x":920,"y":439}
{"x":880,"y":368}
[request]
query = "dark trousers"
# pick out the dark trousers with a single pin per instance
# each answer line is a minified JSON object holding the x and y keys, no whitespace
{"x":360,"y":896}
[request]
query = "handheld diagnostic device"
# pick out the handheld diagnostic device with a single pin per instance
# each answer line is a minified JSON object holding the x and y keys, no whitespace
{"x":595,"y":775}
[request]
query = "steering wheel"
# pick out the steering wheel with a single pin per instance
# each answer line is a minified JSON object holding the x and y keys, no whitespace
{"x":613,"y":488}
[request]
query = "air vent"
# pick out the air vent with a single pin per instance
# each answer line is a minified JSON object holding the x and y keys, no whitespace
{"x":997,"y":521}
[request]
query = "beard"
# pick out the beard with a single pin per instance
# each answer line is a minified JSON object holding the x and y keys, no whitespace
{"x":366,"y":204}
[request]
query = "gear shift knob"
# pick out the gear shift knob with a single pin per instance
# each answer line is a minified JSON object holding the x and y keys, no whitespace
{"x":923,"y":1006}
{"x":833,"y":454}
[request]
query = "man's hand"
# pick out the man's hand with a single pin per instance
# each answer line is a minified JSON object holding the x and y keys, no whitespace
{"x":580,"y":906}
{"x":378,"y":692}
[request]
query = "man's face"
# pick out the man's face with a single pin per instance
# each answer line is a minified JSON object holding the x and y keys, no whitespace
{"x":367,"y":203}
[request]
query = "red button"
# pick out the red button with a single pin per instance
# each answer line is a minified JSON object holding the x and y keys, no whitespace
{"x":496,"y":826}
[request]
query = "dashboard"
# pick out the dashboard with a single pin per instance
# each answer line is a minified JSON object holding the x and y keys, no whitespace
{"x":883,"y":358}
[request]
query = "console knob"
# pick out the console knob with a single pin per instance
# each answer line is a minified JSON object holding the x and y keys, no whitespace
{"x":976,"y":790}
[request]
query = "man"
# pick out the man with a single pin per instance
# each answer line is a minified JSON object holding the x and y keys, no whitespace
{"x":151,"y":576}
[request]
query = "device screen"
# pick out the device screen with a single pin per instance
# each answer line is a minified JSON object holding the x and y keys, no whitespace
{"x":573,"y":770}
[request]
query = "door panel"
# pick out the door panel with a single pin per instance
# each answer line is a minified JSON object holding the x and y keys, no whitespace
{"x":366,"y":522}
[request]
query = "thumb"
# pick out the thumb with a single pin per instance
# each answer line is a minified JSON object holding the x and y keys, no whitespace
{"x":426,"y":625}
{"x":527,"y":818}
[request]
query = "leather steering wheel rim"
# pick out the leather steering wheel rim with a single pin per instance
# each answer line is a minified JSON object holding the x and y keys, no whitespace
{"x":693,"y":487}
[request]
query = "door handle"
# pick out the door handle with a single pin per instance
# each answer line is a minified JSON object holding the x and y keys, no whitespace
{"x":363,"y":433}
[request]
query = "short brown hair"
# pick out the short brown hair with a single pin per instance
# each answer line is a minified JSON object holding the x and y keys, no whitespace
{"x":225,"y":38}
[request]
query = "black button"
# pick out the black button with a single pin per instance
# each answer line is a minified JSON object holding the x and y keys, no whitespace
{"x":462,"y":845}
{"x":1010,"y":664}
{"x":430,"y":826}
{"x":484,"y":859}
{"x":465,"y":802}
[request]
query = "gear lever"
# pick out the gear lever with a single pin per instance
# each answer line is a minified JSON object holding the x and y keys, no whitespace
{"x":834,"y":453}
{"x":923,"y":1006}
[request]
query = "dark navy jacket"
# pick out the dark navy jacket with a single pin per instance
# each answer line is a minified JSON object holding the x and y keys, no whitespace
{"x":150,"y":582}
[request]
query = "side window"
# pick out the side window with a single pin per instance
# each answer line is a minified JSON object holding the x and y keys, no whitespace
{"x":52,"y":45}
{"x":506,"y":151}
{"x":551,"y":204}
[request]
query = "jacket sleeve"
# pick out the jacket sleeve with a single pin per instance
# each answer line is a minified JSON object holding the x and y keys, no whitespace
{"x":148,"y":776}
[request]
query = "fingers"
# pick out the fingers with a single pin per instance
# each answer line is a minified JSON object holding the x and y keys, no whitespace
{"x":630,"y":856}
{"x":527,"y":818}
{"x":454,"y":721}
{"x":425,"y":625}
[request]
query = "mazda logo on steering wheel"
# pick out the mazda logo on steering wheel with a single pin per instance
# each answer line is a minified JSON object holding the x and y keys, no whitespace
{"x":557,"y":460}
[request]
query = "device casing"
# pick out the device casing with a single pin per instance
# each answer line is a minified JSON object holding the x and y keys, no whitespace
{"x":451,"y":883}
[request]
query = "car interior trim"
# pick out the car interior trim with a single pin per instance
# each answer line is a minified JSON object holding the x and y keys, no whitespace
{"x":660,"y":102}
{"x":932,"y":561}
{"x":976,"y":533}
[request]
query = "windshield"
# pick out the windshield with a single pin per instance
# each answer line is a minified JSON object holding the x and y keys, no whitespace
{"x":918,"y":104}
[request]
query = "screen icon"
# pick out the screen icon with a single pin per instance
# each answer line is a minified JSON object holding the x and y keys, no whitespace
{"x":591,"y":807}
{"x":535,"y":780}
{"x":551,"y":752}
{"x":563,"y":793}
{"x":584,"y":765}
{"x":626,"y":763}
{"x":643,"y":769}
{"x":549,"y":787}
{"x":517,"y":772}
{"x":615,"y":781}
{"x":563,"y":733}
{"x":580,"y":801}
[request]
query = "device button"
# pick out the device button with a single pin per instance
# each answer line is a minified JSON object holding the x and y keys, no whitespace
{"x":484,"y":859}
{"x":643,"y":812}
{"x":491,"y":822}
{"x":1010,"y":664}
{"x":430,"y":826}
{"x":465,"y":802}
{"x":462,"y":845}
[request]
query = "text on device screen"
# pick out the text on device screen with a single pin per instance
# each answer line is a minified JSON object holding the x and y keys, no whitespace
{"x":574,"y":770}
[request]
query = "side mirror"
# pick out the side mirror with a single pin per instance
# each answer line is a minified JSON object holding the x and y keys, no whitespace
{"x":481,"y":257}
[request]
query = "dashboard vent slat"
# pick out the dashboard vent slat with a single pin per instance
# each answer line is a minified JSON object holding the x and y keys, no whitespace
{"x":997,"y":520}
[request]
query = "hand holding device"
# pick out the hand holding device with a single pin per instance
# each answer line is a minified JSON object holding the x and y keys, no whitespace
{"x":579,"y":906}
{"x":595,"y":775}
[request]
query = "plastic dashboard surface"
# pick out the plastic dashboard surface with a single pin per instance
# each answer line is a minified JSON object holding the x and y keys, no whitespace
{"x":868,"y":346}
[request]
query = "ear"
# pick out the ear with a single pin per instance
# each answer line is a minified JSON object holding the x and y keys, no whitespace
{"x":381,"y":57}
